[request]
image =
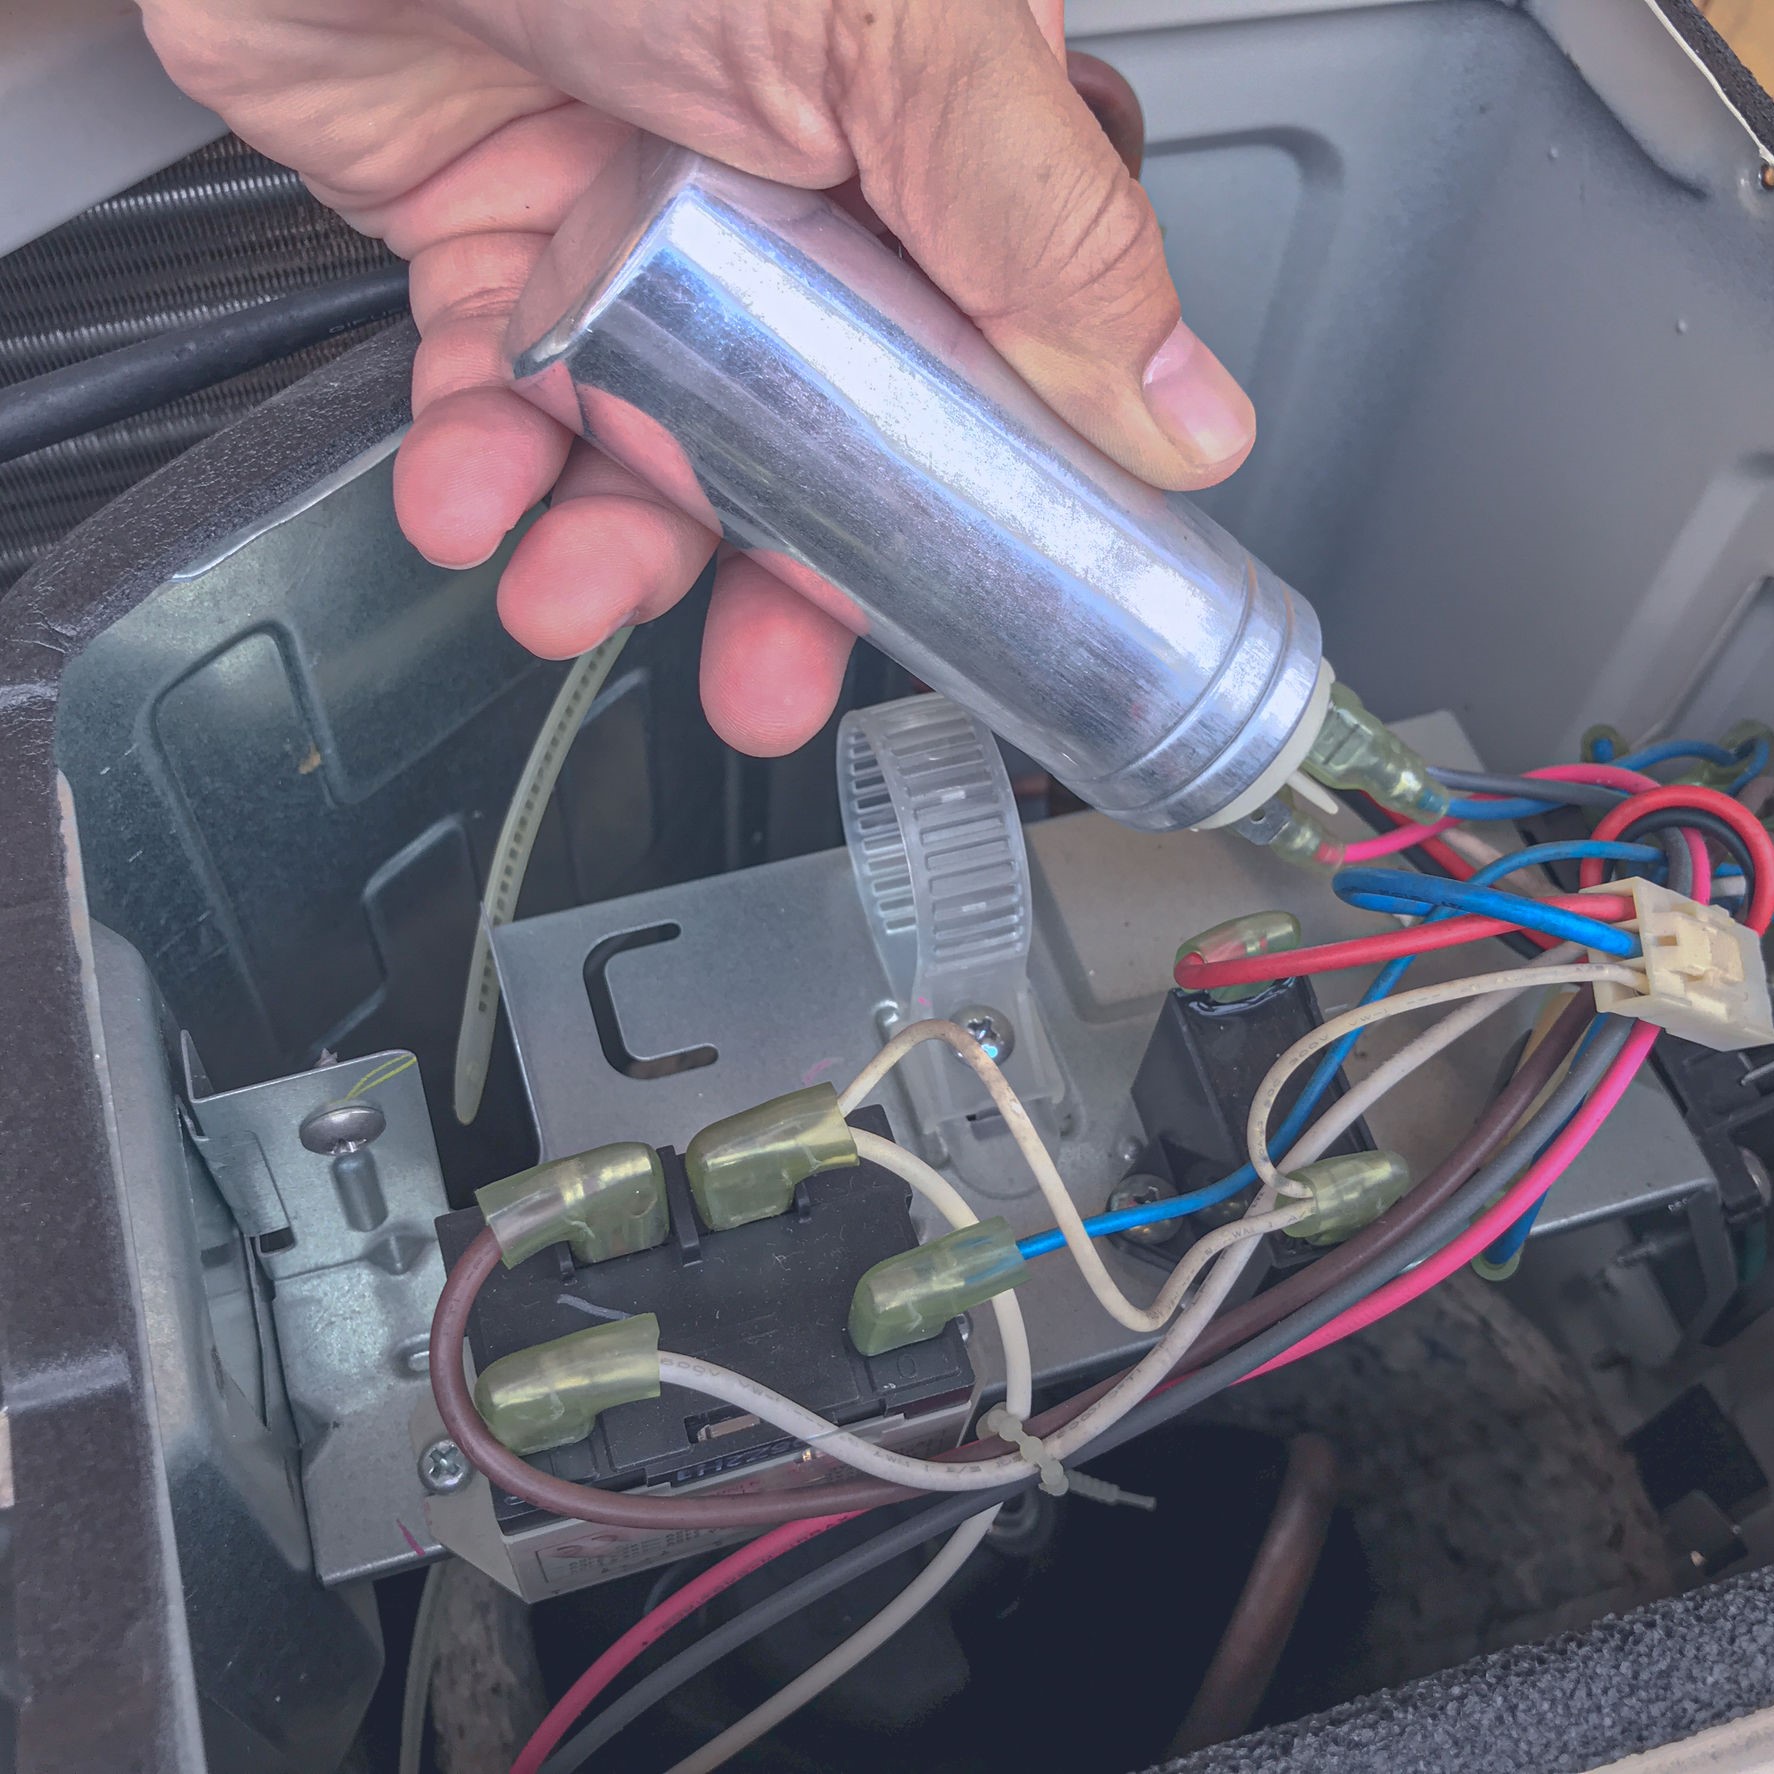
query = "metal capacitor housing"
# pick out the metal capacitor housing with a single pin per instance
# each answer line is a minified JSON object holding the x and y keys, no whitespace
{"x":778,"y":372}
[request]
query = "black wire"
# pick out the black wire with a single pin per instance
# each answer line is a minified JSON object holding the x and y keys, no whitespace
{"x":80,"y":397}
{"x":1426,"y":864}
{"x":1532,"y":788}
{"x":1697,"y":819}
{"x":926,"y":1520}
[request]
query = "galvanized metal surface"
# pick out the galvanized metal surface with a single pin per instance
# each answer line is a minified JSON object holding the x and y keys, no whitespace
{"x":281,"y":1667}
{"x":555,"y":1557}
{"x":774,"y":971}
{"x":353,"y":1301}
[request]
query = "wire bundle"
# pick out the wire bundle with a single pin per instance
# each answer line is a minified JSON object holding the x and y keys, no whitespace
{"x":1486,"y":1190}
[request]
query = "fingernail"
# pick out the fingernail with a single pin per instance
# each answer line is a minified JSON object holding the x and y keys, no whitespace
{"x":462,"y":566}
{"x":1194,"y":398}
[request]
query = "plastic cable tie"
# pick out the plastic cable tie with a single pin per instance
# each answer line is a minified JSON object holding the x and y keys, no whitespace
{"x":1099,"y":1490}
{"x":1003,"y":1423}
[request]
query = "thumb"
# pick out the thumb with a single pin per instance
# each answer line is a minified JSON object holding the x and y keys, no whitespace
{"x":976,"y":152}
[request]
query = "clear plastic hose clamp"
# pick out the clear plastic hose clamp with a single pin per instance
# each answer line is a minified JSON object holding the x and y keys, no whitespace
{"x":934,"y":838}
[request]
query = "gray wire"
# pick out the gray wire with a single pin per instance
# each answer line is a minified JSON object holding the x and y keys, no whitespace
{"x":1680,"y":878}
{"x":1533,"y":788}
{"x":928,"y":1520}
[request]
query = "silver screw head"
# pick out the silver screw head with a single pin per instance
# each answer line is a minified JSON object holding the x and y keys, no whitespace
{"x":990,"y":1028}
{"x":341,"y":1127}
{"x":443,"y":1468}
{"x":1144,"y":1191}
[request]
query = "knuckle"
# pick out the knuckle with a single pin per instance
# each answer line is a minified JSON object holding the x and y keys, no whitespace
{"x":1104,"y":254}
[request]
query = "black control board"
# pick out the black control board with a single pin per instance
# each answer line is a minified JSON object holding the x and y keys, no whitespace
{"x":769,"y":1300}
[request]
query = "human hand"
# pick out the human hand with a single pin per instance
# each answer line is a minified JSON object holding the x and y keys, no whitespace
{"x":462,"y":131}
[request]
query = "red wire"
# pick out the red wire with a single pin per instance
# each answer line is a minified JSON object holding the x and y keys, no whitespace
{"x":1581,"y":1128}
{"x":654,"y":1625}
{"x":1196,"y":975}
{"x":1710,"y":800}
{"x":1398,"y":1292}
{"x":1444,"y":856}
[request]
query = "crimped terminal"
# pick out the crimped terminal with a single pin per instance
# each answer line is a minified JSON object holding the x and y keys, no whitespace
{"x":1356,"y":750}
{"x":604,"y":1203}
{"x":550,"y":1395}
{"x":1348,"y":1193}
{"x":1292,"y":834}
{"x":909,"y":1297}
{"x":1740,"y":739}
{"x":748,"y":1167}
{"x":1703,"y":974}
{"x":1238,"y":939}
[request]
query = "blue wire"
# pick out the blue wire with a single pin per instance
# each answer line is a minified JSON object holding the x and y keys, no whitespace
{"x":1754,"y":758}
{"x":1666,"y":750}
{"x":1513,"y":1237}
{"x":1400,"y":887}
{"x":1479,"y":811}
{"x":1565,"y":850}
{"x":1756,"y":764}
{"x":1103,"y":1225}
{"x":1510,"y":1241}
{"x":1126,"y":1219}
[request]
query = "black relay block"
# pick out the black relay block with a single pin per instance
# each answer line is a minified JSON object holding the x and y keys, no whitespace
{"x":1194,"y":1089}
{"x":769,"y":1300}
{"x":1727,"y":1100}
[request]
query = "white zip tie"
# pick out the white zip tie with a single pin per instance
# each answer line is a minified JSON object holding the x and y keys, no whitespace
{"x":1099,"y":1490}
{"x":1056,"y":1481}
{"x":1007,"y":1426}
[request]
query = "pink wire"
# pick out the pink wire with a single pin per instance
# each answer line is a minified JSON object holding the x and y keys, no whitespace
{"x":1400,"y":1291}
{"x":1598,"y":775}
{"x":1390,"y":843}
{"x":653,"y":1626}
{"x":1484,"y":1231}
{"x":1549,"y":1166}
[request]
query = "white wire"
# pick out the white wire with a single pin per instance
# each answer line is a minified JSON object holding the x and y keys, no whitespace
{"x":579,"y":689}
{"x":794,"y":1419}
{"x":1209,"y":1245}
{"x":917,"y":1594}
{"x":1350,"y":1107}
{"x":421,"y":1660}
{"x":1022,"y":1130}
{"x":1155,"y":1365}
{"x":1018,"y":1399}
{"x":1234,"y":1245}
{"x":910,"y":1168}
{"x":1019,"y":1374}
{"x":1510,"y":979}
{"x":1170,"y":1349}
{"x":760,"y":1401}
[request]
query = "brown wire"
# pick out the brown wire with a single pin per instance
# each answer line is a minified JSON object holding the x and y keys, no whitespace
{"x":449,"y":1331}
{"x":1268,"y":1606}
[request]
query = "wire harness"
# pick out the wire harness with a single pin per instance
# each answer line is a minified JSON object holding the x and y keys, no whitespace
{"x":1396,"y":1245}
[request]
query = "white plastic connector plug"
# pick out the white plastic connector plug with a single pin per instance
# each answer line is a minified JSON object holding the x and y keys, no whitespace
{"x":1704,"y":978}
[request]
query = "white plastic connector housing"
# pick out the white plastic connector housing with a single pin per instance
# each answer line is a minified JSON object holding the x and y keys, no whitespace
{"x":1704,"y":978}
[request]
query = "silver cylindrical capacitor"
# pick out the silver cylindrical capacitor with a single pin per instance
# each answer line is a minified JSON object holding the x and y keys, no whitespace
{"x":780,"y":373}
